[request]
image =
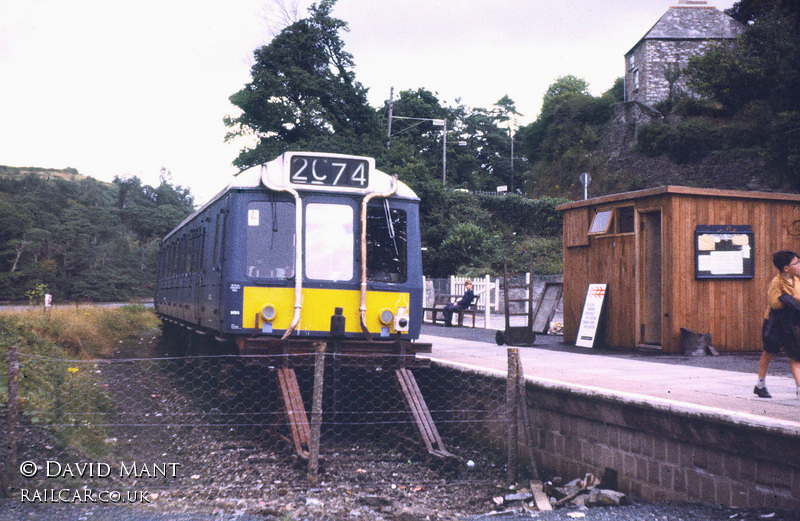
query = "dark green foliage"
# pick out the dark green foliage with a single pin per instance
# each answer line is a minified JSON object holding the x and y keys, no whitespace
{"x":685,"y":142}
{"x":523,"y":215}
{"x":751,"y":102}
{"x":303,"y":93}
{"x":473,"y":234}
{"x":82,"y":239}
{"x":562,"y":142}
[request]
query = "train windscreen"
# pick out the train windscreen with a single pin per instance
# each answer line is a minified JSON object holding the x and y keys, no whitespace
{"x":329,"y":242}
{"x":386,"y":244}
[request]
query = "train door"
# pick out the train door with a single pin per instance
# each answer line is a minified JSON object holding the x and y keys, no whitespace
{"x":200,"y":279}
{"x":649,"y":278}
{"x":216,"y":293}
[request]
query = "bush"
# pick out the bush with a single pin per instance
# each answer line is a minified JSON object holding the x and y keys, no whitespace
{"x":526,"y":216}
{"x":688,"y":141}
{"x":653,"y":139}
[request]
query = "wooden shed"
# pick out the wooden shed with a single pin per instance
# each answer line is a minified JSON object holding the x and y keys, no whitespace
{"x":676,"y":257}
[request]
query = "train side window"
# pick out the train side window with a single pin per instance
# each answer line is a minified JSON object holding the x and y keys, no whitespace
{"x":386,"y":244}
{"x":329,"y":242}
{"x":270,"y":240}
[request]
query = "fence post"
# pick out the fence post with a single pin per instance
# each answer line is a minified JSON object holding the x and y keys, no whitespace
{"x":528,"y":292}
{"x":487,"y":302}
{"x":511,"y":414}
{"x":316,"y":412}
{"x":13,"y":418}
{"x":497,"y":294}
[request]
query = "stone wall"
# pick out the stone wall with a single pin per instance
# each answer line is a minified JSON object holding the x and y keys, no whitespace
{"x":661,"y":450}
{"x":651,"y":58}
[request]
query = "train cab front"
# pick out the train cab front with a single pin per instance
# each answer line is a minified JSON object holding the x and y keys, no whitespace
{"x":332,"y":254}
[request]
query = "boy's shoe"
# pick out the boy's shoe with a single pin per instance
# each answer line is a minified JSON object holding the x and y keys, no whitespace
{"x":761,"y":392}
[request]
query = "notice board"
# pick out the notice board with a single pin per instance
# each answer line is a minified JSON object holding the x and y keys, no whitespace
{"x":592,"y":315}
{"x":724,"y":252}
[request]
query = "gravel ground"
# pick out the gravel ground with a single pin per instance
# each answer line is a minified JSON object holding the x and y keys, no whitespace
{"x":236,"y":474}
{"x":11,"y":510}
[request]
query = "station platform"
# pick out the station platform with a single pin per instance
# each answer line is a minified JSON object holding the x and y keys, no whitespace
{"x":712,"y":386}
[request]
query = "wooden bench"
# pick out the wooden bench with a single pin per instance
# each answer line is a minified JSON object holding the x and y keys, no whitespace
{"x":441,"y":300}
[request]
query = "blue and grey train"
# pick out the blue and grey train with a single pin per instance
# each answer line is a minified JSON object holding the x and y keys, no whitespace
{"x":304,"y":248}
{"x":308,"y":252}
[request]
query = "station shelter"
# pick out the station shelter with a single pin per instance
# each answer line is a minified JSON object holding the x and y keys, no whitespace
{"x":675,"y":257}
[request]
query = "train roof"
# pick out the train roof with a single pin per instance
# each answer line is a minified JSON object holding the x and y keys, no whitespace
{"x":276,"y":174}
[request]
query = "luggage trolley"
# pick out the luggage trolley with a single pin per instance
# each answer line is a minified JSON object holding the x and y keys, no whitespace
{"x":517,"y":335}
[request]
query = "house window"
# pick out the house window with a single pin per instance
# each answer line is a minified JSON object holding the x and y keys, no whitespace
{"x":631,"y":62}
{"x":636,"y":80}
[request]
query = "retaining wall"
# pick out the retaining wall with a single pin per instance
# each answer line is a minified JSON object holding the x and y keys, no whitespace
{"x":661,"y":450}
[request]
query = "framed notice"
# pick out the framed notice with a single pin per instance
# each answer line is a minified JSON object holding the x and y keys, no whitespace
{"x":724,"y":252}
{"x":591,"y":316}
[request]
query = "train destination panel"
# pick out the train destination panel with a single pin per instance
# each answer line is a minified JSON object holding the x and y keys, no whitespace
{"x":329,"y":171}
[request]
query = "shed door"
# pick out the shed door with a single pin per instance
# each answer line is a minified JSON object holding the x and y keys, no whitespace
{"x":650,"y":283}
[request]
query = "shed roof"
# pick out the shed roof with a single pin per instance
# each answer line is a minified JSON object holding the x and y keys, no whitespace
{"x":693,"y":20}
{"x":680,"y":190}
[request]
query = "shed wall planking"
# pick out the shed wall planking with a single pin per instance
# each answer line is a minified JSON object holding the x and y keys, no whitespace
{"x":730,"y":309}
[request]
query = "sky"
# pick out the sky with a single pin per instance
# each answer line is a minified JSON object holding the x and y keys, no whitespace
{"x":116,"y":88}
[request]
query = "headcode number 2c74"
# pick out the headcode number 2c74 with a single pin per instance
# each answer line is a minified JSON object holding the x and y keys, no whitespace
{"x":309,"y":170}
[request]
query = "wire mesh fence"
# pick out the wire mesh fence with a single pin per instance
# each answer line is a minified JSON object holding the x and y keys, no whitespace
{"x":236,"y":428}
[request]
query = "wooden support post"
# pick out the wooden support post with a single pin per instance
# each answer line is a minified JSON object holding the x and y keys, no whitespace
{"x":525,"y":428}
{"x":295,"y":410}
{"x":512,"y":387}
{"x":316,"y":412}
{"x":423,"y":421}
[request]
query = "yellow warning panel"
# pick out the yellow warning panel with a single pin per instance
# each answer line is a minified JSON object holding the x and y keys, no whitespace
{"x":318,"y":305}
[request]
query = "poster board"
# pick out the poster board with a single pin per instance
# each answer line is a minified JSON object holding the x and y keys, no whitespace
{"x":592,"y":315}
{"x":546,"y":308}
{"x":724,"y":252}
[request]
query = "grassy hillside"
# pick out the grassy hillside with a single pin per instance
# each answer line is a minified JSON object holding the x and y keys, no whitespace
{"x":81,"y":239}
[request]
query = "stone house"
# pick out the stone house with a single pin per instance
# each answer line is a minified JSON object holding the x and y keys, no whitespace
{"x":653,"y":65}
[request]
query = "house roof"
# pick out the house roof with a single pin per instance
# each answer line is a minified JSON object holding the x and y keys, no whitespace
{"x":693,"y":20}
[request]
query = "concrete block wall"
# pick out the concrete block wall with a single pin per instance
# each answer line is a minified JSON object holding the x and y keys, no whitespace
{"x":661,"y":450}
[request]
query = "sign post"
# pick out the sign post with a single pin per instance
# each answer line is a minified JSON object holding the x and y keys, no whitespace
{"x":592,"y":313}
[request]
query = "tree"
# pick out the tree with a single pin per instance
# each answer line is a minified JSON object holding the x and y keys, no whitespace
{"x":748,"y":11}
{"x":563,"y":88}
{"x":761,"y":64}
{"x":561,"y":143}
{"x":303,"y":94}
{"x":759,"y":73}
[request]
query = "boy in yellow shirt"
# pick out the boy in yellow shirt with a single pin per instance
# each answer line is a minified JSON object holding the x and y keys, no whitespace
{"x":781,"y":319}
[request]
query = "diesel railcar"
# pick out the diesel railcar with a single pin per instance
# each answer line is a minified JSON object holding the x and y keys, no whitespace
{"x":307,"y":253}
{"x":304,"y":248}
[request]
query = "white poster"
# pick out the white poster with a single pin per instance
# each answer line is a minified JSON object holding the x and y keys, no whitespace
{"x":590,"y":318}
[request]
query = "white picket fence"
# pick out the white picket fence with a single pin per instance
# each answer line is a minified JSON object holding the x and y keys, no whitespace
{"x":487,"y":288}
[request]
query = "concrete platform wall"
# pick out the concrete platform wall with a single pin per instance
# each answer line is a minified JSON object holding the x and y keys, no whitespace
{"x":661,"y":450}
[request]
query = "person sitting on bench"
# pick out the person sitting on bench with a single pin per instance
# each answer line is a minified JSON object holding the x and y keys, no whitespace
{"x":464,"y":303}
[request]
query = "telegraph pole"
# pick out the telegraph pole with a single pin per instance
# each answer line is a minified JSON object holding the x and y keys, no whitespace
{"x":389,"y":127}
